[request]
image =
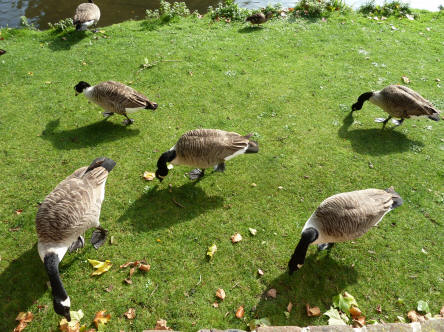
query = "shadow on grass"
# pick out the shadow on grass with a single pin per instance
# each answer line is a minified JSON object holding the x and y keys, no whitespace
{"x":250,"y":29}
{"x":375,"y":141}
{"x":90,"y":135}
{"x":65,"y":40}
{"x":162,"y":208}
{"x":315,"y":283}
{"x":22,"y":283}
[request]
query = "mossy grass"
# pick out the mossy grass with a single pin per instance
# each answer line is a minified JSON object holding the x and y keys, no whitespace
{"x":292,"y":85}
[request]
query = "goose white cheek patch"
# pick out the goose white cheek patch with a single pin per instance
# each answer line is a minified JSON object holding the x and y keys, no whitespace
{"x":300,"y":265}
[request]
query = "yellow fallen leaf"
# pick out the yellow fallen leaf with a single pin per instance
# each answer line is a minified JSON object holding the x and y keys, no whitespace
{"x":101,"y":319}
{"x":101,"y":267}
{"x":161,"y":324}
{"x":149,"y":176}
{"x":211,"y":251}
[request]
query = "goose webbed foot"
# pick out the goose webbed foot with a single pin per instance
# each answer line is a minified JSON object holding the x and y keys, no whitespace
{"x":77,"y":244}
{"x":107,"y":114}
{"x":397,"y":122}
{"x":196,"y":174}
{"x":98,"y":237}
{"x":384,"y":121}
{"x":220,"y":167}
{"x":128,"y":121}
{"x":325,"y":246}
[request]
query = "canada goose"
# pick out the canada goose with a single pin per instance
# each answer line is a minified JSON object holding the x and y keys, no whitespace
{"x":87,"y":14}
{"x":115,"y":97}
{"x":398,"y":101}
{"x":259,"y":18}
{"x":343,"y":217}
{"x":205,"y":148}
{"x":65,"y":214}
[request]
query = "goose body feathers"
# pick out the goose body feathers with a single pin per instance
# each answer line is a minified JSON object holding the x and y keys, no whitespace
{"x":203,"y":148}
{"x":258,"y":18}
{"x":86,"y":15}
{"x":343,"y":217}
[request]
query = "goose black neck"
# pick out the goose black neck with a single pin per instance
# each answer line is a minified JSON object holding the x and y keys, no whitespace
{"x":52,"y":268}
{"x":90,"y":1}
{"x":308,"y":236}
{"x":165,"y":158}
{"x":361,"y":99}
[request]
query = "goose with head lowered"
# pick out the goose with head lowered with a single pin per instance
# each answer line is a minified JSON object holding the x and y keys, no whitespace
{"x":259,"y":18}
{"x":400,"y":102}
{"x":203,"y":148}
{"x":343,"y":217}
{"x":86,"y":15}
{"x":65,"y":214}
{"x":115,"y":97}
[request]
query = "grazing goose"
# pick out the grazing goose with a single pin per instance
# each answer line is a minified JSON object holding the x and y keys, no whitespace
{"x":87,"y":14}
{"x":343,"y":217}
{"x":205,"y":148}
{"x":398,"y":101}
{"x":65,"y":214}
{"x":115,"y":97}
{"x":259,"y":18}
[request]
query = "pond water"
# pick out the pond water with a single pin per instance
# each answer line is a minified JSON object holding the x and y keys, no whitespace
{"x":40,"y":12}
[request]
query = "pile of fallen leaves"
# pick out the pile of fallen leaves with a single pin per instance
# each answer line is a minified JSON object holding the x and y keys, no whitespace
{"x":142,"y":265}
{"x":24,"y":318}
{"x":345,"y":310}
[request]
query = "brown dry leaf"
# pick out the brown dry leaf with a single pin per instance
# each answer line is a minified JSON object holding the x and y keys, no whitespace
{"x":100,"y":318}
{"x":131,"y":272}
{"x":66,"y":326}
{"x":355,"y":311}
{"x":215,"y":305}
{"x":161,"y":324}
{"x":220,"y":293}
{"x":413,"y":316}
{"x":131,"y":313}
{"x":441,"y":312}
{"x":379,"y":309}
{"x":289,"y":306}
{"x":144,"y":267}
{"x":312,"y":311}
{"x":236,"y":238}
{"x":24,"y":318}
{"x":126,"y":265}
{"x":18,"y":211}
{"x":359,"y":321}
{"x":109,"y":288}
{"x":405,"y":79}
{"x":149,"y":176}
{"x":128,"y":281}
{"x":271,"y":293}
{"x":240,"y":312}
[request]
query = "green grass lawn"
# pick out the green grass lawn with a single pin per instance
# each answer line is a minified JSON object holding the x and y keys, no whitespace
{"x":292,"y":84}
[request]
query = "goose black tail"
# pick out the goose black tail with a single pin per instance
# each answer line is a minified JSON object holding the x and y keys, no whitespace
{"x":397,"y":199}
{"x":104,"y":162}
{"x":253,"y":147}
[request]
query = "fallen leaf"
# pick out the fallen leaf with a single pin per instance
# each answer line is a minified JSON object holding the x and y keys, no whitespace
{"x":144,"y":267}
{"x":236,"y":238}
{"x":312,"y":311}
{"x":289,"y":306}
{"x":161,"y":324}
{"x":149,"y":176}
{"x":101,"y":319}
{"x":126,"y":265}
{"x":252,"y":231}
{"x":128,"y":281}
{"x":240,"y":312}
{"x":74,"y":324}
{"x":255,"y":323}
{"x":359,"y":321}
{"x":405,"y":79}
{"x":101,"y":267}
{"x":18,"y":211}
{"x":379,"y":309}
{"x":333,"y":317}
{"x":260,"y":272}
{"x":355,"y":311}
{"x":24,"y":318}
{"x":272,"y":293}
{"x":344,"y":302}
{"x":280,"y":187}
{"x":112,"y":240}
{"x":413,"y":316}
{"x":220,"y":293}
{"x":131,"y":271}
{"x":254,"y":184}
{"x":109,"y":288}
{"x":131,"y":313}
{"x":215,"y":305}
{"x":423,"y":307}
{"x":441,"y":312}
{"x":211,"y":251}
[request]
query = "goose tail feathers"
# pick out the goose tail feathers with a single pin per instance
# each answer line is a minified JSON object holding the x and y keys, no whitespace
{"x":253,"y":147}
{"x":397,"y":199}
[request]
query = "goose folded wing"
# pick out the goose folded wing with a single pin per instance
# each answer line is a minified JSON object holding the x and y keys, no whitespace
{"x":85,"y":13}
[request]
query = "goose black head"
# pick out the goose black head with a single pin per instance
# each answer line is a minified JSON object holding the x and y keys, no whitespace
{"x":361,"y":99}
{"x":162,"y":168}
{"x":62,"y":307}
{"x":81,"y":86}
{"x":161,"y":173}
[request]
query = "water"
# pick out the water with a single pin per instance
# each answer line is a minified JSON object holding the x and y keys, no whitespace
{"x":40,"y":12}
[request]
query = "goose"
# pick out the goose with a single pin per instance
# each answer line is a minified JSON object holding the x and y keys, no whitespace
{"x":398,"y":101}
{"x":259,"y":18}
{"x":115,"y":97}
{"x":343,"y":217}
{"x":86,"y":14}
{"x":203,"y":148}
{"x":65,"y":214}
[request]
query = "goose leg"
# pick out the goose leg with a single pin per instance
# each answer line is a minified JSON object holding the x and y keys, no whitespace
{"x":79,"y":243}
{"x":98,"y":237}
{"x":196,"y":174}
{"x":398,"y":122}
{"x":107,"y":114}
{"x":324,"y":246}
{"x":128,"y":121}
{"x":220,"y":167}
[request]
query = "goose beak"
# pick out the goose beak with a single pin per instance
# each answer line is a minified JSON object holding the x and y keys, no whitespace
{"x":67,"y":316}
